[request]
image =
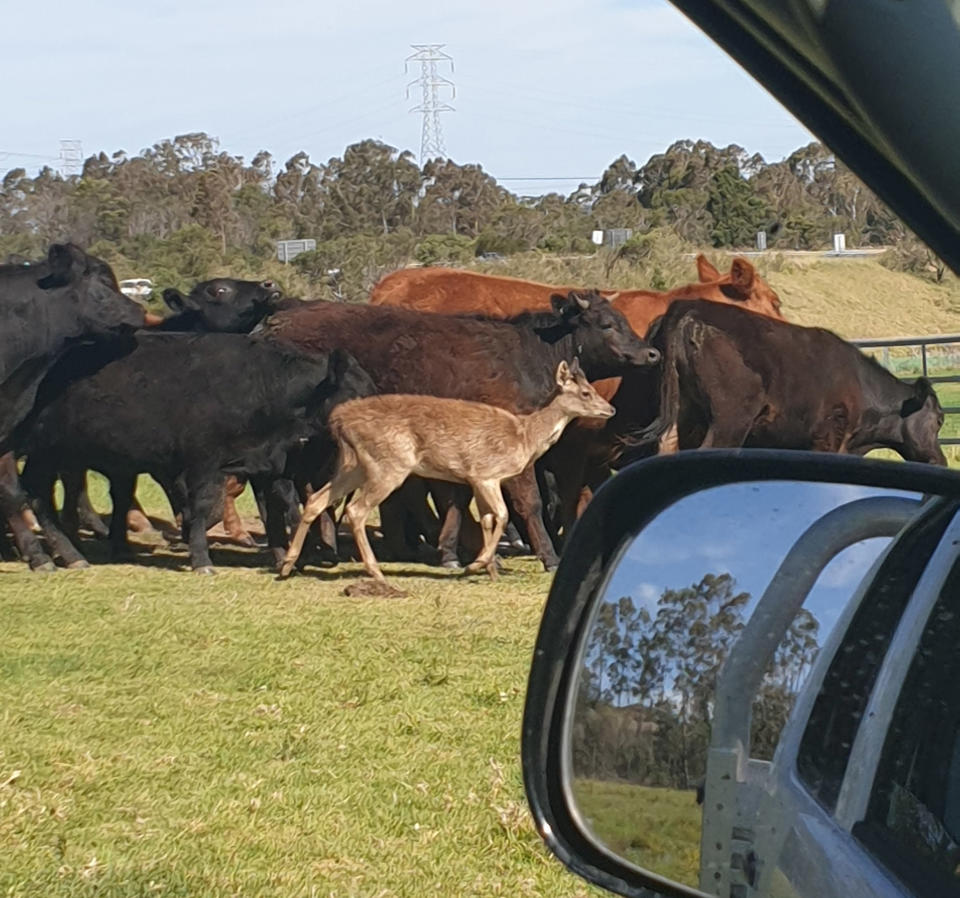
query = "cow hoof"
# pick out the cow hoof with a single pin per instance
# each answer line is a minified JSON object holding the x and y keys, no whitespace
{"x":79,"y":565}
{"x":207,"y":570}
{"x":551,"y":566}
{"x":43,"y":567}
{"x":451,"y":565}
{"x":246,"y":541}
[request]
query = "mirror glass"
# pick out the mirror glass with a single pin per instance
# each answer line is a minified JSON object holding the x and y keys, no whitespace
{"x":676,"y":603}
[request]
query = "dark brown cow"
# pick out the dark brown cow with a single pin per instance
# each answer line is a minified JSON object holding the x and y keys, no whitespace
{"x":732,"y":379}
{"x":585,"y":452}
{"x":509,"y":364}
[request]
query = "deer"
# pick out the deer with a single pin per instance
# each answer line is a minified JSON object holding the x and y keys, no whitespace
{"x":382,"y":440}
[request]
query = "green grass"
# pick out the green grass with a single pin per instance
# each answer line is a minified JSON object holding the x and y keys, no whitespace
{"x":657,"y":829}
{"x":163,"y":733}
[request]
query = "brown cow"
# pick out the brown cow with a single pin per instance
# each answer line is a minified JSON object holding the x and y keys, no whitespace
{"x":585,"y":445}
{"x":456,"y":292}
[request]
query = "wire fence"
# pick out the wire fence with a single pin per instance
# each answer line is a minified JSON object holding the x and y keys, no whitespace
{"x":935,"y":357}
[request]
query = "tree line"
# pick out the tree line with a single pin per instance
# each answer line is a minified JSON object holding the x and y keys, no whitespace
{"x":184,"y":208}
{"x":647,"y":683}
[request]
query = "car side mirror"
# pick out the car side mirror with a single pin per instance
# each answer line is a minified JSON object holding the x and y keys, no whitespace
{"x":714,"y":663}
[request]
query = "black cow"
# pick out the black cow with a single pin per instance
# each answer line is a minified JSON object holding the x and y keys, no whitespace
{"x":508,"y":363}
{"x":45,"y":308}
{"x":731,"y":378}
{"x":221,"y":305}
{"x":189,"y":408}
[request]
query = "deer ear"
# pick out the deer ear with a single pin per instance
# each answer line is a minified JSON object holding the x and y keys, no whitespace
{"x":563,"y":374}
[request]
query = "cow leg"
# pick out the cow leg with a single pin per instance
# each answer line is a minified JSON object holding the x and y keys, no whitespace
{"x":122,"y":488}
{"x":271,"y":500}
{"x":13,"y":505}
{"x":203,"y":490}
{"x":75,"y":485}
{"x":401,"y":536}
{"x":522,"y":491}
{"x":39,"y":478}
{"x":136,"y":517}
{"x":452,"y":501}
{"x":232,"y":523}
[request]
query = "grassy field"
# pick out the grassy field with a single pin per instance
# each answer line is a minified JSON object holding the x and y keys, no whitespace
{"x":167,"y":734}
{"x":658,"y":829}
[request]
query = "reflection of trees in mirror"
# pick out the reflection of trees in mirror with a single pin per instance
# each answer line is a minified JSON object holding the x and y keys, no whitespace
{"x":641,"y":724}
{"x":646,"y":688}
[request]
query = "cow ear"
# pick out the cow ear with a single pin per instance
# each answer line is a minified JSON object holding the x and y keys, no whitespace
{"x":175,"y":300}
{"x":67,"y":262}
{"x":559,"y":303}
{"x":922,"y":391}
{"x":706,"y":271}
{"x":742,"y":274}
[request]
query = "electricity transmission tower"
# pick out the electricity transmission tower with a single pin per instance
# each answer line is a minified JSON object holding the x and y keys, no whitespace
{"x":71,"y":158}
{"x":431,"y":83}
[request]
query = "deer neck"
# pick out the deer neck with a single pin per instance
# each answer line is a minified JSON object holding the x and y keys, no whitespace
{"x":543,"y":428}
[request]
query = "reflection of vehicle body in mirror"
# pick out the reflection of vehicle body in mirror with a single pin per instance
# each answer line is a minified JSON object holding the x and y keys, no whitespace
{"x":782,"y":643}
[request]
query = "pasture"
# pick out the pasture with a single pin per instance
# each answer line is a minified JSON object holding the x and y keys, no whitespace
{"x":164,"y":733}
{"x":658,"y":829}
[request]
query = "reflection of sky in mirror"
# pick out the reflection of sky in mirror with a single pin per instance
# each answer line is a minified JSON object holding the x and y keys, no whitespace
{"x":746,"y":530}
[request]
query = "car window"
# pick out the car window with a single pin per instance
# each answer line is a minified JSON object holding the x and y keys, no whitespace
{"x":913,"y":818}
{"x":828,"y":738}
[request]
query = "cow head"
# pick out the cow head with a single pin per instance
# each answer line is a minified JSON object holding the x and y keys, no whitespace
{"x":602,"y":337}
{"x":742,"y":285}
{"x":921,"y":419}
{"x":225,"y":305}
{"x":88,"y":285}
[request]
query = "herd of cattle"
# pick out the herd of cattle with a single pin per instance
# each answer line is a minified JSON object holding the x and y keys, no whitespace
{"x":239,"y":384}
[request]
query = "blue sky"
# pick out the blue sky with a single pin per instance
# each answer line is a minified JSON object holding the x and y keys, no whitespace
{"x":554,"y":89}
{"x":745,"y":530}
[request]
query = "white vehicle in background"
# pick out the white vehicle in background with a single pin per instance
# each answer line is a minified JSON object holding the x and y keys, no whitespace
{"x":137,"y":288}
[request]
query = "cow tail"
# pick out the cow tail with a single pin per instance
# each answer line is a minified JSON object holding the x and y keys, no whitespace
{"x":669,"y":341}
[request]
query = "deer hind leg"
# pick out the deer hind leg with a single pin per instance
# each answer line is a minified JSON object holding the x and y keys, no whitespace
{"x":493,"y":519}
{"x":344,"y":481}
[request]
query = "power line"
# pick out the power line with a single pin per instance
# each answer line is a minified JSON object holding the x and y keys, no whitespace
{"x":431,"y":83}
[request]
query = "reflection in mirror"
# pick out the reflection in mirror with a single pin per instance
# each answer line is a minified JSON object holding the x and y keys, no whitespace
{"x":676,"y":603}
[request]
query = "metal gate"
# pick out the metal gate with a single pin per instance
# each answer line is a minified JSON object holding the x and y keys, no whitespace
{"x":910,"y":357}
